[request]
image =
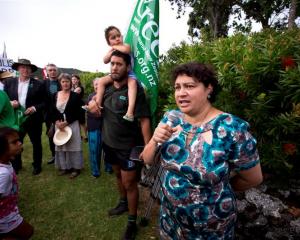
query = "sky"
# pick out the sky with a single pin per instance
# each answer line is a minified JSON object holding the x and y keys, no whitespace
{"x":70,"y":33}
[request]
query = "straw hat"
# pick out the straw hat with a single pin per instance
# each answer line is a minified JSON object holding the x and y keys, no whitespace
{"x":5,"y":74}
{"x":61,"y":137}
{"x":25,"y":62}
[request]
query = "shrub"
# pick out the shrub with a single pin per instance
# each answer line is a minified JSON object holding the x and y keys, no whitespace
{"x":86,"y":79}
{"x":260,"y":79}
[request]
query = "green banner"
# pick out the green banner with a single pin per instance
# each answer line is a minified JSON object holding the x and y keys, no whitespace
{"x":142,"y":36}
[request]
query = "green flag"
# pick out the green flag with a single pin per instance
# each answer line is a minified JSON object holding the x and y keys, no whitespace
{"x":20,"y":117}
{"x":142,"y":36}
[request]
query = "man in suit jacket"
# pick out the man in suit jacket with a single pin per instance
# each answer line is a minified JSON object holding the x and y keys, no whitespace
{"x":29,"y":93}
{"x":52,"y":86}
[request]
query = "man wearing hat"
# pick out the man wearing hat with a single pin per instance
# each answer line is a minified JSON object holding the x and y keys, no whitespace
{"x":29,"y":93}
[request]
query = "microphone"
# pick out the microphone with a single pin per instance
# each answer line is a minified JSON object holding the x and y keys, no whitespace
{"x":171,"y":121}
{"x":171,"y":118}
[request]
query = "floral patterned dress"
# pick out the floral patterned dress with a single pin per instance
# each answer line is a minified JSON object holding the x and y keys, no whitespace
{"x":197,"y":201}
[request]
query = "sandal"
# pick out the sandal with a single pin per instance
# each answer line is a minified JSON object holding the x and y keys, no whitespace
{"x":129,"y":118}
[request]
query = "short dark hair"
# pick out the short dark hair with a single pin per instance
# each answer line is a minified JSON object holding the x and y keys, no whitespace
{"x":107,"y":30}
{"x":199,"y":72}
{"x":126,"y":57}
{"x":5,"y":132}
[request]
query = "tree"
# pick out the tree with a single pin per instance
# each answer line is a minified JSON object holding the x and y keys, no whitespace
{"x":266,"y":12}
{"x":292,"y":14}
{"x":208,"y":16}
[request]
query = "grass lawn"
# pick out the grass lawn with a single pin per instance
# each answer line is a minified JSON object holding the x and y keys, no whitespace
{"x":61,"y":208}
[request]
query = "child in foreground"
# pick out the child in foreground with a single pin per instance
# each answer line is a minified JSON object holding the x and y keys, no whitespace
{"x":115,"y":40}
{"x":12,"y":224}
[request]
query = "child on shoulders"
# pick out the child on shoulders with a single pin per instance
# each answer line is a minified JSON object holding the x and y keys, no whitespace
{"x":115,"y":41}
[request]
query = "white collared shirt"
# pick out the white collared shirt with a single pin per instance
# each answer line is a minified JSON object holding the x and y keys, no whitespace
{"x":22,"y":92}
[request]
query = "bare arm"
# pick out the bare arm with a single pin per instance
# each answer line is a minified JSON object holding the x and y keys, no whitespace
{"x":107,"y":56}
{"x":146,"y":129}
{"x":102,"y":83}
{"x":247,"y":179}
{"x":94,"y":105}
{"x":149,"y":152}
{"x":124,"y":48}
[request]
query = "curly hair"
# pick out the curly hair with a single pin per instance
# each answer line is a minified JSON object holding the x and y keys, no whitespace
{"x":199,"y":72}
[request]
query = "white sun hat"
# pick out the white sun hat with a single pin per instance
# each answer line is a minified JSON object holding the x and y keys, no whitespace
{"x":61,"y":137}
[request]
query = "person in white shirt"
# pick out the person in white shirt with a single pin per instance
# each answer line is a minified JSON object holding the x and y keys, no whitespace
{"x":30,"y":94}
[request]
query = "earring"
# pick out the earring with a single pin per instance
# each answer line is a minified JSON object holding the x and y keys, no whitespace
{"x":208,"y":96}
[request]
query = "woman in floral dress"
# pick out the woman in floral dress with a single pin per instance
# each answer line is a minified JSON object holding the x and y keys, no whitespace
{"x":206,"y":155}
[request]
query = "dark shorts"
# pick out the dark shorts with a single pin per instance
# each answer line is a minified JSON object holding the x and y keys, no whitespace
{"x":119,"y":157}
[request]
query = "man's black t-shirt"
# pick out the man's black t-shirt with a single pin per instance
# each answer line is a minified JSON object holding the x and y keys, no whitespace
{"x":117,"y":132}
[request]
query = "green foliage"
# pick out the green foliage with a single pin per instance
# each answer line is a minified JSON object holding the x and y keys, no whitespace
{"x":259,"y":75}
{"x":86,"y":79}
{"x":210,"y":19}
{"x":209,"y":16}
{"x":174,"y":56}
{"x":266,"y":12}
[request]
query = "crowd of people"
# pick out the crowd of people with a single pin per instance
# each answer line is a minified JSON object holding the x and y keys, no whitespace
{"x":206,"y":154}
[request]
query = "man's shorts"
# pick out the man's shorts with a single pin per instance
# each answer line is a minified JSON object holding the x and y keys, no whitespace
{"x":119,"y":157}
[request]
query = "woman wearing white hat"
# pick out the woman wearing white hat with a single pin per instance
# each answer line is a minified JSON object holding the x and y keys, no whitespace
{"x":66,"y":110}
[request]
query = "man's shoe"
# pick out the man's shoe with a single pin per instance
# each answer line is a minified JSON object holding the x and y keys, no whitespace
{"x":51,"y":160}
{"x":130,"y":232}
{"x":118,"y":210}
{"x":36,"y":171}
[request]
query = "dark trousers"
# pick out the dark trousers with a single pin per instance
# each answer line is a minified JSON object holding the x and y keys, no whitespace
{"x":51,"y":143}
{"x":34,"y":131}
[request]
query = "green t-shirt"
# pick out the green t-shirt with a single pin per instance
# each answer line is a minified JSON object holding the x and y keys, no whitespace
{"x":7,"y":114}
{"x":117,"y":132}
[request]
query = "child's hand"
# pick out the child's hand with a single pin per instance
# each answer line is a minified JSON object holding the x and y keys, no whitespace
{"x":107,"y":56}
{"x":93,"y":107}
